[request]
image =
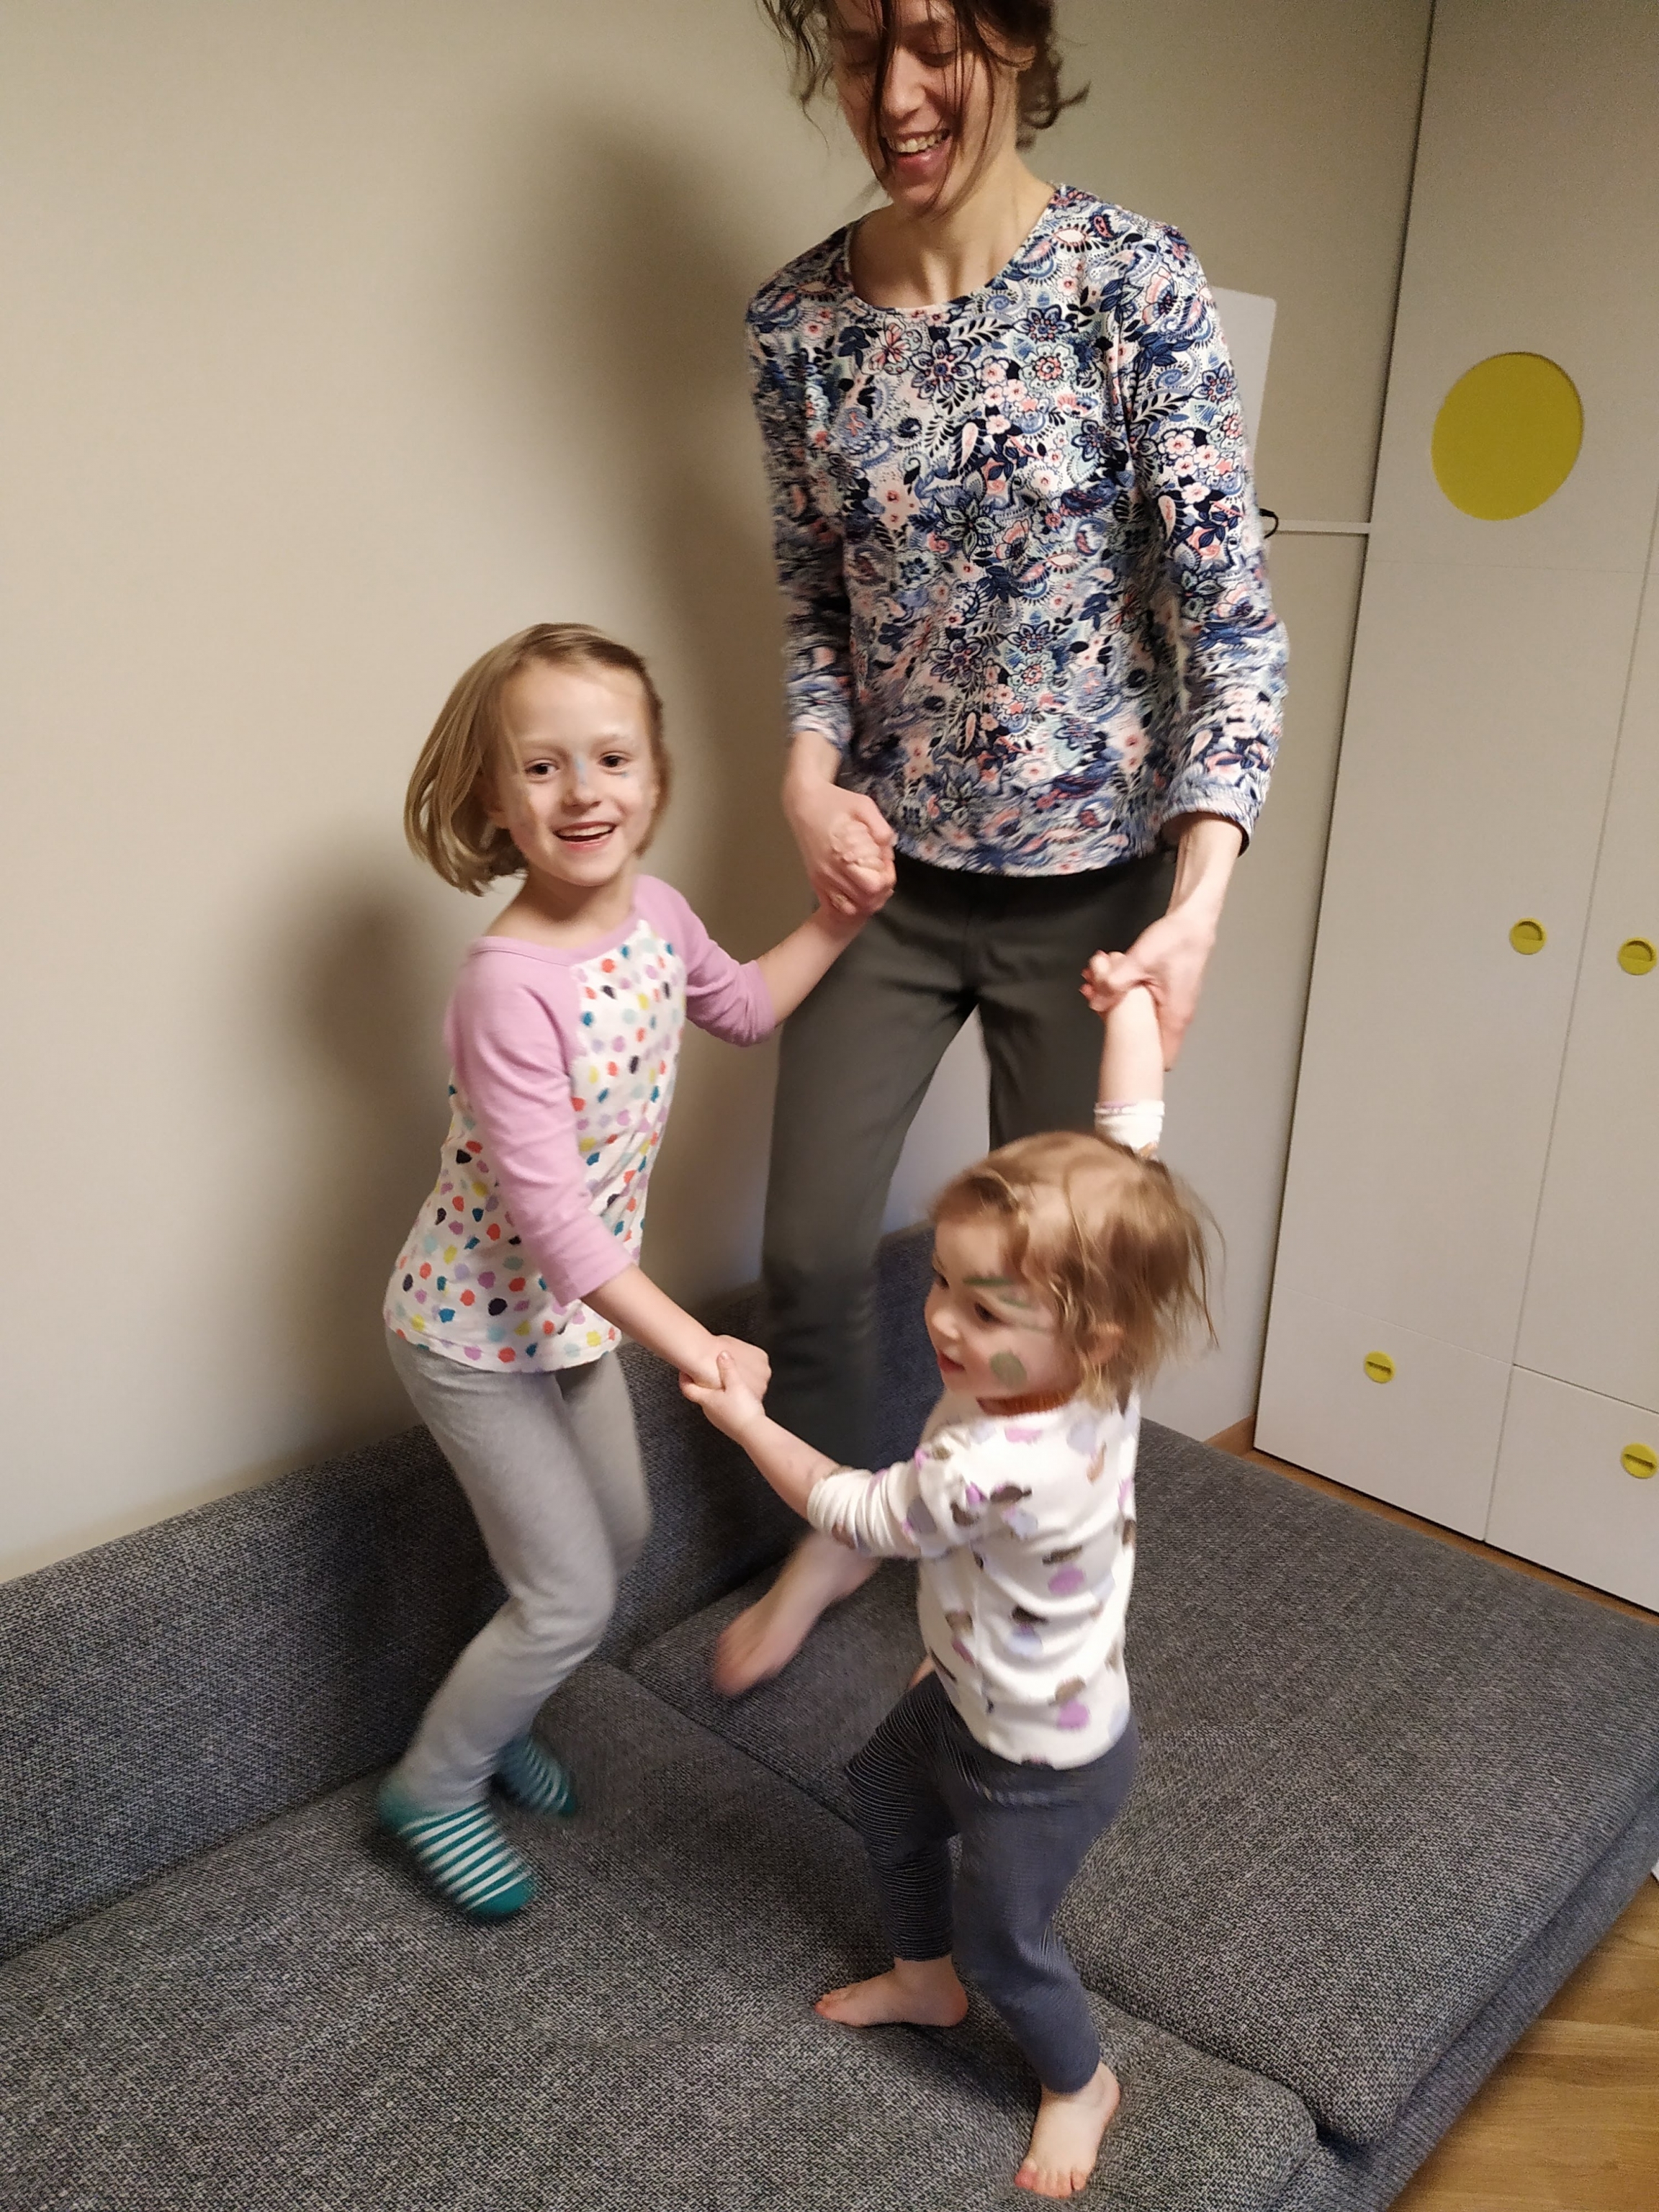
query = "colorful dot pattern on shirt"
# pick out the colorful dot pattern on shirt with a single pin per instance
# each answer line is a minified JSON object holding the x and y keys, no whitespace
{"x":463,"y":1284}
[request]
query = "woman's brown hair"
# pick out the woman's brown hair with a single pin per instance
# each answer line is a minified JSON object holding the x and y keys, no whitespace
{"x":994,"y":30}
{"x":445,"y":814}
{"x":1110,"y":1241}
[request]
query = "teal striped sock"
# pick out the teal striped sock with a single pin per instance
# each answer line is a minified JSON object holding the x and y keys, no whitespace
{"x":464,"y":1853}
{"x":531,"y":1777}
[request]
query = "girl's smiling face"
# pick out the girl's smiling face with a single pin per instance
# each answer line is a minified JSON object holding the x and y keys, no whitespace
{"x":991,"y":1333}
{"x":942,"y":109}
{"x":575,"y":786}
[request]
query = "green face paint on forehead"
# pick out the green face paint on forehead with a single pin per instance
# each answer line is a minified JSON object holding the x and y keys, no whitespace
{"x":1006,"y":1287}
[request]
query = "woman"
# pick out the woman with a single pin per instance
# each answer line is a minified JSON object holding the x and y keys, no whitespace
{"x":1033,"y":671}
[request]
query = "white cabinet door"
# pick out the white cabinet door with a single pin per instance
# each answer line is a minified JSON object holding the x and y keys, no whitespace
{"x":1433,"y":1047}
{"x":1489,"y":671}
{"x":1573,"y":1490}
{"x":1404,"y":1417}
{"x":1592,"y":1306}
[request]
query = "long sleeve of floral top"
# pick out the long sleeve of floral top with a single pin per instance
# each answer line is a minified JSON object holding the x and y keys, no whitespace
{"x":1024,"y":1527}
{"x":1017,"y":540}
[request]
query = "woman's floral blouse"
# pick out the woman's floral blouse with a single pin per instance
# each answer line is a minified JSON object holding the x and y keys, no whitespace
{"x":1018,"y":548}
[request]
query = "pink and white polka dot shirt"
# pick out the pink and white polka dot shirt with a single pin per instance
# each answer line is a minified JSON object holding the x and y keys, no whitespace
{"x":564,"y":1066}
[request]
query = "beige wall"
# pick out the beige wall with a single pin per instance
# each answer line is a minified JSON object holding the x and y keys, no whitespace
{"x":345,"y":336}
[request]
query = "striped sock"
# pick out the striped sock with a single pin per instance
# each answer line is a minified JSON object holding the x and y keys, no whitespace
{"x":464,"y":1853}
{"x":531,"y":1777}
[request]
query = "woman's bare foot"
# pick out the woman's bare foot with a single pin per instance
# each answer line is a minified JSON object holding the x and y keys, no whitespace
{"x":764,"y":1638}
{"x":1066,"y":2141}
{"x":925,"y":1992}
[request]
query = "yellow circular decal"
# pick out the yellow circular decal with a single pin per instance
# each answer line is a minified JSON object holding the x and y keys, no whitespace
{"x":1528,"y":935}
{"x":1639,"y":1460}
{"x":1379,"y":1366}
{"x":1637,"y":957}
{"x":1507,"y":435}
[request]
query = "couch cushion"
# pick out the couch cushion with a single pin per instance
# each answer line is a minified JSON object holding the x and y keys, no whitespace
{"x":290,"y":2022}
{"x":1375,"y":1768}
{"x":160,"y":1693}
{"x":269,"y":1645}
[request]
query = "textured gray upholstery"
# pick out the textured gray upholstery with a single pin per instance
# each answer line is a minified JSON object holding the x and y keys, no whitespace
{"x":160,"y":1693}
{"x":286,"y":2024}
{"x":1374,"y":1771}
{"x":1390,"y":1795}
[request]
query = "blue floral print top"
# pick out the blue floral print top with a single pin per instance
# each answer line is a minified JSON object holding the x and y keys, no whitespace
{"x":1018,"y":544}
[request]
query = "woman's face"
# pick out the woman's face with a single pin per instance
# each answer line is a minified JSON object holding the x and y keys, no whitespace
{"x":944,"y":109}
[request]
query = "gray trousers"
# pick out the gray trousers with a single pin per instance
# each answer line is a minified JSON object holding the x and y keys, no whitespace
{"x":856,"y":1060}
{"x":551,"y":1467}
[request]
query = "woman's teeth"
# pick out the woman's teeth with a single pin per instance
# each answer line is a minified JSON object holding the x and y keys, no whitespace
{"x":921,"y":145}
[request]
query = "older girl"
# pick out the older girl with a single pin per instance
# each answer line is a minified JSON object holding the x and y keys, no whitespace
{"x":522,"y":1273}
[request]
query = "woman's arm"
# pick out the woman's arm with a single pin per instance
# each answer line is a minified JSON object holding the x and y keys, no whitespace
{"x":1187,"y":436}
{"x":1170,"y":954}
{"x":844,"y":844}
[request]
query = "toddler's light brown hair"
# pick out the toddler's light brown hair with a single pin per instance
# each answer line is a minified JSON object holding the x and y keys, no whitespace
{"x":1111,"y":1242}
{"x":444,"y":816}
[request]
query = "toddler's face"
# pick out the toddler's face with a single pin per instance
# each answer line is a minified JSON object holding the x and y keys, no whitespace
{"x":994,"y":1336}
{"x":577,"y":789}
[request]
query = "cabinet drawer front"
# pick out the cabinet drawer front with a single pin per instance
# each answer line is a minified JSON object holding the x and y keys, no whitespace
{"x":1405,"y":1417}
{"x":1565,"y":1495}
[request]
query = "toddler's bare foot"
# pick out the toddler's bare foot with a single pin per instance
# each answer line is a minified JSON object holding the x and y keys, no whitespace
{"x":925,"y":1992}
{"x":1066,"y":2141}
{"x":764,"y":1638}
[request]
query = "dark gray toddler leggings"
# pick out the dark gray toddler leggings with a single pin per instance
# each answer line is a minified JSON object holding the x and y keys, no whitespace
{"x":921,"y":1779}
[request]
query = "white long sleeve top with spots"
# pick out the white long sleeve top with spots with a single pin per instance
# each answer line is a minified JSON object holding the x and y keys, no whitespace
{"x":1024,"y":1527}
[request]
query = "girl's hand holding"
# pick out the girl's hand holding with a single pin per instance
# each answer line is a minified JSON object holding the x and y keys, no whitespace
{"x":750,"y":1364}
{"x":1104,"y":983}
{"x":734,"y":1406}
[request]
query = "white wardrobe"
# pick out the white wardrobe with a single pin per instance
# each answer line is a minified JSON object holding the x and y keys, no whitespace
{"x":1465,"y":1317}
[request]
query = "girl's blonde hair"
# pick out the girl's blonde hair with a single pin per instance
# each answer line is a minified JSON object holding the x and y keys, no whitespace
{"x":445,"y":818}
{"x":1111,"y":1241}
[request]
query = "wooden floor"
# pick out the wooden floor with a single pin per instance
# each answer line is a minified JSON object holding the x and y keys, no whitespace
{"x":1570,"y":2121}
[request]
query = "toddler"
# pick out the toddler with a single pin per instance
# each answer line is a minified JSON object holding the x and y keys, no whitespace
{"x":1065,"y":1266}
{"x":520,"y":1275}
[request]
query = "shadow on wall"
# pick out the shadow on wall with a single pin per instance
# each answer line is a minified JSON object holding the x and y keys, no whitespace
{"x":365,"y":1008}
{"x":625,"y":314}
{"x":650,"y":329}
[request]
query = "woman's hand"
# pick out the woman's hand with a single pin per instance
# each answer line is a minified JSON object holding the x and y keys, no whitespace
{"x":1169,"y":956}
{"x":846,"y":846}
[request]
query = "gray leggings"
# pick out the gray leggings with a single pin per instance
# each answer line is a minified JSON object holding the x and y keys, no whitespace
{"x":551,"y":1467}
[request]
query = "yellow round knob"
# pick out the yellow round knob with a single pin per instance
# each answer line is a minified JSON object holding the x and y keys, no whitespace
{"x":1638,"y":956}
{"x":1379,"y":1366}
{"x":1528,"y":935}
{"x":1639,"y":1460}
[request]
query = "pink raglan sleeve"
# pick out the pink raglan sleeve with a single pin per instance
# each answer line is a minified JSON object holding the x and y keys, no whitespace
{"x":727,"y":997}
{"x":511,"y":1061}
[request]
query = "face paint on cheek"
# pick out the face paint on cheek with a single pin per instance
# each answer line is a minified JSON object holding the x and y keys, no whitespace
{"x":1009,"y":1369}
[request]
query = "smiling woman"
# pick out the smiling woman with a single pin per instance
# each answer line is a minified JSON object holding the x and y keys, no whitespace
{"x":1033,"y":673}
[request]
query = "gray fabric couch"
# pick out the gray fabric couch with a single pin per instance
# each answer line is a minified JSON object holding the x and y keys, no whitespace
{"x":1390,"y":1794}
